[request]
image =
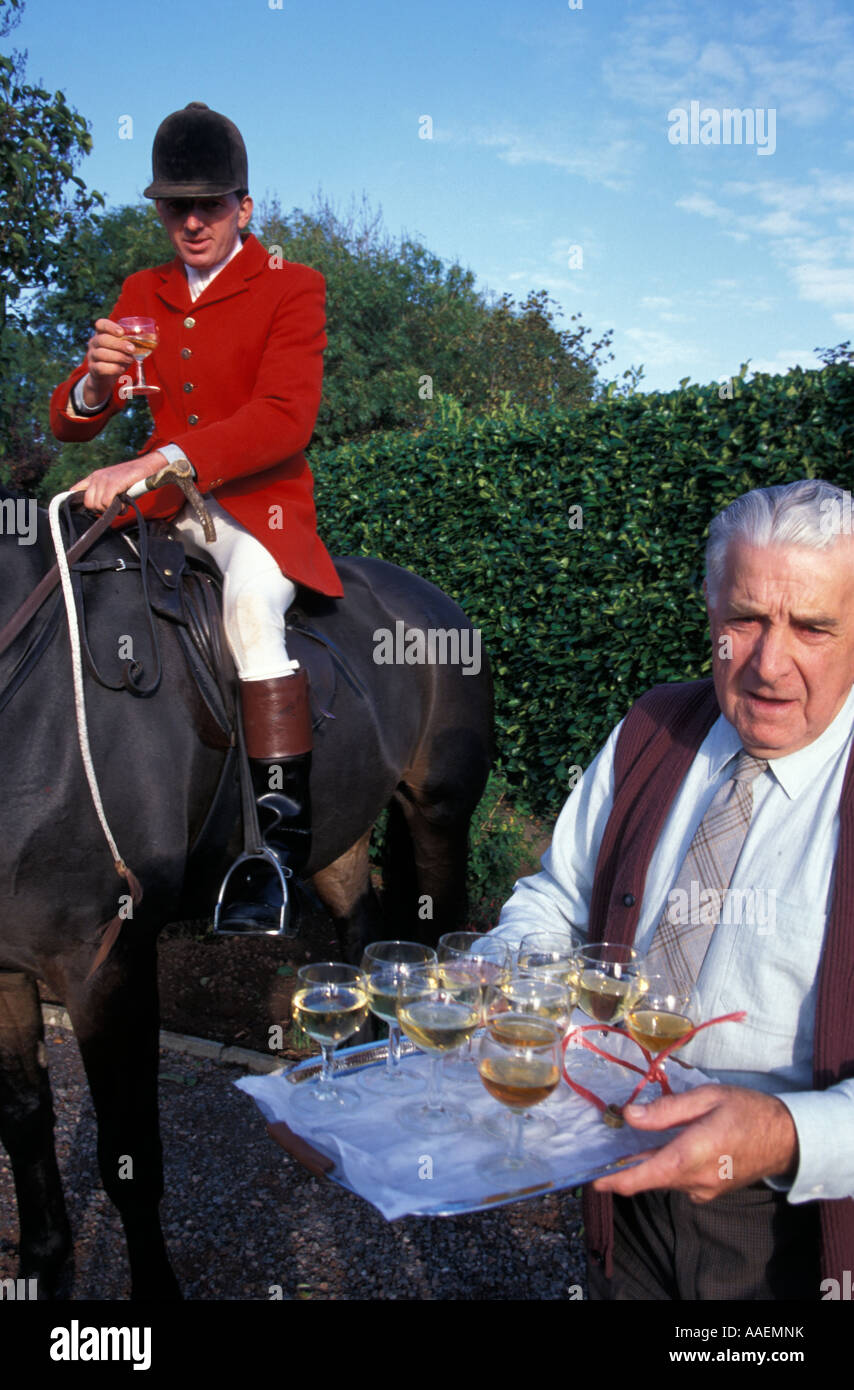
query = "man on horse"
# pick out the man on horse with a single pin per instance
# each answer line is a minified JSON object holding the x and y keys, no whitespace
{"x":238,"y":372}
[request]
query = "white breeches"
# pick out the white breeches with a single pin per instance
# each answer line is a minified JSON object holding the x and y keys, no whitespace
{"x":256,"y":595}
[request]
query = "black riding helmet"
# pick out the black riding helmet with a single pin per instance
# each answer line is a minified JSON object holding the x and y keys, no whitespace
{"x":197,"y":153}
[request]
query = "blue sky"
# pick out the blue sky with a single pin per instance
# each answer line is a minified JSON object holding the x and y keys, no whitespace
{"x":552,"y":162}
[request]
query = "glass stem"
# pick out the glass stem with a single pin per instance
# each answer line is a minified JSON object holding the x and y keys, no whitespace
{"x":434,"y":1089}
{"x":393,"y":1058}
{"x":327,"y":1066}
{"x":517,"y":1139}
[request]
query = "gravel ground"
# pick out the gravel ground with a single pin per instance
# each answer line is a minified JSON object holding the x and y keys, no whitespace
{"x":240,"y":1215}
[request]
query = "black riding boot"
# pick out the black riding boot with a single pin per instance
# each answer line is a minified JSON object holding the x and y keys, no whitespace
{"x":282,"y":787}
{"x":277,"y":726}
{"x":277,"y":729}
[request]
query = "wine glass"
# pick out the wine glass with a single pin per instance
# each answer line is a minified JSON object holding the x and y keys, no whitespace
{"x":330,"y":1004}
{"x":522,"y":993}
{"x":143,"y":338}
{"x":385,"y":965}
{"x":552,"y":956}
{"x":526,"y":994}
{"x":492,"y":955}
{"x":489,"y":956}
{"x":438,"y":1015}
{"x":611,"y":978}
{"x":668,"y":1008}
{"x":519,"y":1064}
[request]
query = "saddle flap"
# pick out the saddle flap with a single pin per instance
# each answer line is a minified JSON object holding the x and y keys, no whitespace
{"x":314,"y":656}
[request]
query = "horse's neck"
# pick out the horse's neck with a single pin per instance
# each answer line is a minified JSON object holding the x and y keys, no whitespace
{"x":24,"y":556}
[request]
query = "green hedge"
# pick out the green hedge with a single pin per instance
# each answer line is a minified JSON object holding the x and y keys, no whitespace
{"x":579,"y":619}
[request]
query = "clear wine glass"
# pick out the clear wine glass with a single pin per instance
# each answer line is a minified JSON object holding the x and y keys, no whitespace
{"x":611,"y":978}
{"x":526,"y":994}
{"x":143,"y":337}
{"x":438,"y":1015}
{"x":519,"y":1064}
{"x":668,"y":1008}
{"x":552,"y":956}
{"x":489,"y":956}
{"x":386,"y":964}
{"x":330,"y":1004}
{"x":522,"y":993}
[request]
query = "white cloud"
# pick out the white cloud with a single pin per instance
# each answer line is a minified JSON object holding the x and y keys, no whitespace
{"x":656,"y":63}
{"x":765,"y":305}
{"x":834,"y":188}
{"x":659,"y":349}
{"x":784,"y":361}
{"x":832,"y":286}
{"x":717,"y":60}
{"x":705,"y":206}
{"x":781,"y":223}
{"x":608,"y":162}
{"x":812,"y":23}
{"x":760,"y":21}
{"x":815,"y":248}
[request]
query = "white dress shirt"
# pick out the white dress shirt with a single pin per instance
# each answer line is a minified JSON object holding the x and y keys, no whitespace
{"x":764,"y":960}
{"x":199,"y":279}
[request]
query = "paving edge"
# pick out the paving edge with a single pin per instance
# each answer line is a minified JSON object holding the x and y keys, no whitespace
{"x":222,"y":1053}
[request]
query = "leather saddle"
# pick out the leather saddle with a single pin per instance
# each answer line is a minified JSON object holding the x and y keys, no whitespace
{"x":187,"y":593}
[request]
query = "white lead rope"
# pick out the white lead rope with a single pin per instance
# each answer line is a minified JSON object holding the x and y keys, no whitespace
{"x":77,"y":670}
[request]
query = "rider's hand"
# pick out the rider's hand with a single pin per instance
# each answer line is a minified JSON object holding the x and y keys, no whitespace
{"x":109,"y":356}
{"x":106,"y":483}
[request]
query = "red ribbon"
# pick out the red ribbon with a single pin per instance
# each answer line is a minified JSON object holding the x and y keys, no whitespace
{"x":653,"y":1071}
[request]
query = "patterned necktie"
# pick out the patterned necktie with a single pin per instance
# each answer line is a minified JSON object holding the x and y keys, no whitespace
{"x":694,"y":903}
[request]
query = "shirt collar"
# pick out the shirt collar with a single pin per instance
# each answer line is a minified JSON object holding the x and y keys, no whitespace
{"x":795,"y":771}
{"x":199,"y":279}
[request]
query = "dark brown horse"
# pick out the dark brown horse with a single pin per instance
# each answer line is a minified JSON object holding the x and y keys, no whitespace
{"x":409,"y":732}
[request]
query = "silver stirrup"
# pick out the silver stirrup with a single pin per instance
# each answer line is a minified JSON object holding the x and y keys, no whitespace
{"x":283,"y":874}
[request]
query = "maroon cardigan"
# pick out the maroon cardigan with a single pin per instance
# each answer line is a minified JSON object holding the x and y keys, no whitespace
{"x":657,"y":744}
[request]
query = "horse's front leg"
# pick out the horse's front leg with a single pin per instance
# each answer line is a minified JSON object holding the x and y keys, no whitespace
{"x":115,"y":1016}
{"x":26,"y":1131}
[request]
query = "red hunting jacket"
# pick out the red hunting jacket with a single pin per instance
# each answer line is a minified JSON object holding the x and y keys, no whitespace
{"x":240,"y":373}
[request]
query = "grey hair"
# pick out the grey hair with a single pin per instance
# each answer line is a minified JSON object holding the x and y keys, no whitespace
{"x":811,"y":513}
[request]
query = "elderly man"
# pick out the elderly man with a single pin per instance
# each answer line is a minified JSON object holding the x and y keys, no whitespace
{"x":237,"y":376}
{"x":743,"y":785}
